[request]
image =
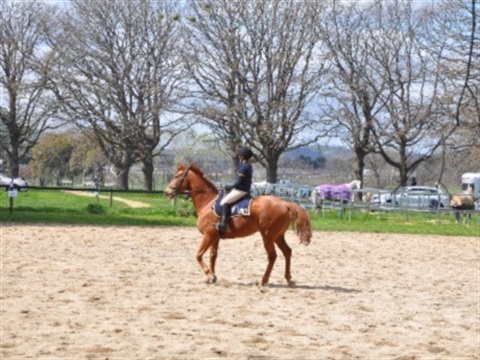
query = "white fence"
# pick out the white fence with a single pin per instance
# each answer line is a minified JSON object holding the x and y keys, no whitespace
{"x":367,"y":199}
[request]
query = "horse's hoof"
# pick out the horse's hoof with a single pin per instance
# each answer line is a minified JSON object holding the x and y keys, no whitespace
{"x":291,"y":283}
{"x":211,"y":279}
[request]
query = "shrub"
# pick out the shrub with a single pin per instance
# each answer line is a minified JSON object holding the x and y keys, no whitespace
{"x":96,"y":209}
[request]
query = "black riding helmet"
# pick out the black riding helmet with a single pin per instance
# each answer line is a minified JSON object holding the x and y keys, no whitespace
{"x":246,"y":153}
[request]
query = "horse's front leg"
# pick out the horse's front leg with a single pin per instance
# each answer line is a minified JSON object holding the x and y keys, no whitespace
{"x":206,"y":243}
{"x":213,"y":258}
{"x":315,"y":202}
{"x":319,"y":207}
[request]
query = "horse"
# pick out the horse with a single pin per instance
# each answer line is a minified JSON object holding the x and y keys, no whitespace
{"x":460,"y":203}
{"x":269,"y":215}
{"x":339,"y":193}
{"x":262,"y":188}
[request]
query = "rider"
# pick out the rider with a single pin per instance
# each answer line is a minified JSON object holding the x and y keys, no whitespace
{"x":239,"y":189}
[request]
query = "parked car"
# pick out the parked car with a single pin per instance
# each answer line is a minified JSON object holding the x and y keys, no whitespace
{"x":418,"y":197}
{"x":18,"y":183}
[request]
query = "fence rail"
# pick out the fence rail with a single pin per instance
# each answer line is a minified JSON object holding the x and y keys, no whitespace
{"x":302,"y":196}
{"x":93,"y":189}
{"x":420,"y":202}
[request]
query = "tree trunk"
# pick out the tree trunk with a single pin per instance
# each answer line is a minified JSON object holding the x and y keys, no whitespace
{"x":147,"y":169}
{"x":272,"y":167}
{"x":403,"y":172}
{"x":122,"y":178}
{"x":13,"y":154}
{"x":14,"y":164}
{"x":123,"y":167}
{"x":360,"y":166}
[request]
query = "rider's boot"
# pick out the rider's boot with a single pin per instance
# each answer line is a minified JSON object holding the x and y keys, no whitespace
{"x":222,"y":225}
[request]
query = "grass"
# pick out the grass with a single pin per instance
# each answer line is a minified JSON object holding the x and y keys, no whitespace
{"x":57,"y":207}
{"x":46,"y":206}
{"x":399,"y":222}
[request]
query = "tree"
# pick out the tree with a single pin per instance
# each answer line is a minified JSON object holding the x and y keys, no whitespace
{"x":27,"y":106}
{"x":253,"y":67}
{"x":118,"y":78}
{"x":67,"y":155}
{"x":87,"y":158}
{"x":415,"y":120}
{"x":349,"y":102}
{"x":465,"y":46}
{"x":51,"y":157}
{"x":459,"y":20}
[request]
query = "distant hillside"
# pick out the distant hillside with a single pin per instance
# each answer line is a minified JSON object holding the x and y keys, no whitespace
{"x":316,"y":151}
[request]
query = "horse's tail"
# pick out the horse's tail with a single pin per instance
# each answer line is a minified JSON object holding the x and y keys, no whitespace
{"x":300,"y":219}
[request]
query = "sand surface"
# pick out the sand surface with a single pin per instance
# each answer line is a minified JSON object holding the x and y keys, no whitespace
{"x":81,"y":292}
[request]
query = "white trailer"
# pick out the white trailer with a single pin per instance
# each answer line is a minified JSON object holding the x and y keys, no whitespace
{"x":471,"y":179}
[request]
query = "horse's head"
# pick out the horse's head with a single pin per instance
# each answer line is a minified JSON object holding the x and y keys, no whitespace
{"x":179,"y":184}
{"x":470,"y":190}
{"x":189,"y":179}
{"x":355,"y":184}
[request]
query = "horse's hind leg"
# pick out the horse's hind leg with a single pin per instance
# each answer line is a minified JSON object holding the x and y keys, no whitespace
{"x":272,"y":256}
{"x":287,"y":252}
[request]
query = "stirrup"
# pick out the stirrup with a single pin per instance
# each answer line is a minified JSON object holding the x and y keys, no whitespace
{"x":222,"y":229}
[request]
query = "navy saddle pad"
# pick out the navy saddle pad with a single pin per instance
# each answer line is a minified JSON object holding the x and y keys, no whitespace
{"x":240,"y":208}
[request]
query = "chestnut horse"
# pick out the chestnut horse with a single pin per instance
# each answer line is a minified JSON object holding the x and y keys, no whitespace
{"x":268,"y":214}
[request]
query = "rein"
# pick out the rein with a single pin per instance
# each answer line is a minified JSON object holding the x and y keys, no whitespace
{"x":188,"y":192}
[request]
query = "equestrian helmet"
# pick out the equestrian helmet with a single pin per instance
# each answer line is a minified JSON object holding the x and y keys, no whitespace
{"x":246,"y":153}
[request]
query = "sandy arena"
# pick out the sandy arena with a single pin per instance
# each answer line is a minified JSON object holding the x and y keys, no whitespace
{"x":82,"y":292}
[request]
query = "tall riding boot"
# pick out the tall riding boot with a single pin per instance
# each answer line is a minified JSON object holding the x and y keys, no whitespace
{"x":222,"y":225}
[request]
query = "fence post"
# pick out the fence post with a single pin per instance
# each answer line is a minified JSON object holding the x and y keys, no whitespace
{"x":12,"y":192}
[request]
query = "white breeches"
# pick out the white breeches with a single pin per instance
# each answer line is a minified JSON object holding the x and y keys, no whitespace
{"x":233,"y":196}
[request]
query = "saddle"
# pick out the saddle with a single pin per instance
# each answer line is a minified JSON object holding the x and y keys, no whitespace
{"x":239,"y":208}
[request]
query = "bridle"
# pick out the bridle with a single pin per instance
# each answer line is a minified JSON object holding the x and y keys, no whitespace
{"x":175,"y":192}
{"x":177,"y":184}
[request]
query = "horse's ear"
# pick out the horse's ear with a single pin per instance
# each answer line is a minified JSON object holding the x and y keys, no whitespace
{"x":181,"y":167}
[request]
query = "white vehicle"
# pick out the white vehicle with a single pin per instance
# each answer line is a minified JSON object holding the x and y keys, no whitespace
{"x":424,"y":197}
{"x":9,"y":183}
{"x":473,"y":180}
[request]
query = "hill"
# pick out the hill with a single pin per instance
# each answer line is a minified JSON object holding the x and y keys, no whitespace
{"x":317,"y":151}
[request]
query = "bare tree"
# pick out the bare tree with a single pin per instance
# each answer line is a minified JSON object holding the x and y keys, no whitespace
{"x":415,"y":120}
{"x":27,"y":106}
{"x":465,"y":31}
{"x":350,"y":103}
{"x":118,"y":77}
{"x":255,"y":74}
{"x":459,"y":20}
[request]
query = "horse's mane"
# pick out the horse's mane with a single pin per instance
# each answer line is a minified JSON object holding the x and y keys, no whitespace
{"x":199,"y":172}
